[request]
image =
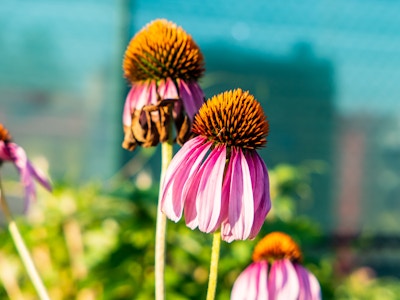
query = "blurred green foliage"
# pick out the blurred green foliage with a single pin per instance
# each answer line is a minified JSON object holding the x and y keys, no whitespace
{"x":96,"y":241}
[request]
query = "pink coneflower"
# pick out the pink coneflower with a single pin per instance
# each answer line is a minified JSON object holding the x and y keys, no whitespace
{"x":10,"y":151}
{"x":163,"y":64}
{"x":217,"y":179}
{"x":276,"y":273}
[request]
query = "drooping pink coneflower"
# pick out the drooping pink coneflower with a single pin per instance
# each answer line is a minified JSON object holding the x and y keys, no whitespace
{"x":163,"y":64}
{"x":276,"y":273}
{"x":15,"y":154}
{"x":217,"y":179}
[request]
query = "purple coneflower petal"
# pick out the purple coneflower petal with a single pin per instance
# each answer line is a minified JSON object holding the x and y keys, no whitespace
{"x":39,"y":176}
{"x":208,"y":203}
{"x":283,"y":283}
{"x":178,"y":176}
{"x":16,"y":154}
{"x":21,"y":163}
{"x":187,"y":99}
{"x":252,"y":283}
{"x":192,"y":97}
{"x":309,"y":286}
{"x":260,"y":184}
{"x":241,"y":205}
{"x":197,"y":93}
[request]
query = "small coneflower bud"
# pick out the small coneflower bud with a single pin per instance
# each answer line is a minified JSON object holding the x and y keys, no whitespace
{"x":15,"y":154}
{"x":275,"y":246}
{"x":162,"y":62}
{"x":276,"y":273}
{"x":224,"y":184}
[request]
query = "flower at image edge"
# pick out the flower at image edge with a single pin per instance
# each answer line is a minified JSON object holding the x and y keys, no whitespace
{"x":276,"y":273}
{"x":217,"y":179}
{"x":15,"y":154}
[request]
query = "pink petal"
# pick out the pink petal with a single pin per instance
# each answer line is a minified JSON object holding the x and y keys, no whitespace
{"x":260,"y":184}
{"x":208,"y":202}
{"x":241,"y":206}
{"x":141,"y":94}
{"x":167,"y":89}
{"x":191,"y":216}
{"x":226,"y":232}
{"x":177,"y":178}
{"x":251,"y":283}
{"x":283,"y":283}
{"x":226,"y":229}
{"x":4,"y":152}
{"x":128,"y":109}
{"x":152,"y":93}
{"x":309,"y":285}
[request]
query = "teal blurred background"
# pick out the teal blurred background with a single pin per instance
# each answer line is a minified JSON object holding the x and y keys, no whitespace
{"x":326,"y":73}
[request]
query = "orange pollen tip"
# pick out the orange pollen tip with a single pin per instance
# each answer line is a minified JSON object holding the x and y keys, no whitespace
{"x":162,"y":50}
{"x":4,"y":134}
{"x":232,"y":118}
{"x":277,"y":245}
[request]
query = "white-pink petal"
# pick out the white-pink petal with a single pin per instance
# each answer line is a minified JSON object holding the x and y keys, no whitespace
{"x":167,"y":89}
{"x":127,"y":113}
{"x":190,"y":210}
{"x":309,"y":285}
{"x":241,"y":201}
{"x":208,"y":202}
{"x":283,"y":283}
{"x":226,"y":229}
{"x":140,"y":94}
{"x":252,"y":283}
{"x":176,"y":177}
{"x":261,"y":192}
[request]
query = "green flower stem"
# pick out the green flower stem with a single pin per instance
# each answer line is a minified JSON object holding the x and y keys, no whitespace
{"x":22,"y":249}
{"x":212,"y":280}
{"x":166,"y":157}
